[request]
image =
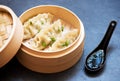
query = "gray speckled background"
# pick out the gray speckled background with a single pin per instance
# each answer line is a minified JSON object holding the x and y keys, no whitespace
{"x":95,"y":15}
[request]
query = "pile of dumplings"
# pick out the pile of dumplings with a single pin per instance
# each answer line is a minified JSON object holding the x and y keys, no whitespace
{"x":48,"y":33}
{"x":5,"y":27}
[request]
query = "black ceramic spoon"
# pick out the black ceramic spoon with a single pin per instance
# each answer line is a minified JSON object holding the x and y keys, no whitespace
{"x":96,"y":59}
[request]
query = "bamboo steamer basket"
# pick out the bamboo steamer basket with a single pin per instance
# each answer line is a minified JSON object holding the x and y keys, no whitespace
{"x":11,"y":46}
{"x":57,"y":61}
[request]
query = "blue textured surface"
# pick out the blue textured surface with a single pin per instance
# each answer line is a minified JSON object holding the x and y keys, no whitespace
{"x":95,"y":15}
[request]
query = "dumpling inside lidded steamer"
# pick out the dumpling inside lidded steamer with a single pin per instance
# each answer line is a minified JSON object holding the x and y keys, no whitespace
{"x":6,"y":23}
{"x":48,"y":33}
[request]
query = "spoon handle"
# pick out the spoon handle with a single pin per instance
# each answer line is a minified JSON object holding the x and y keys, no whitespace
{"x":105,"y":41}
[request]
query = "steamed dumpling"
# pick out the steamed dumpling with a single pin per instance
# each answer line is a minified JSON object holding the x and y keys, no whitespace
{"x":5,"y":18}
{"x":5,"y":27}
{"x":35,"y":24}
{"x":63,"y":42}
{"x":44,"y":32}
{"x":40,"y":42}
{"x":47,"y":35}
